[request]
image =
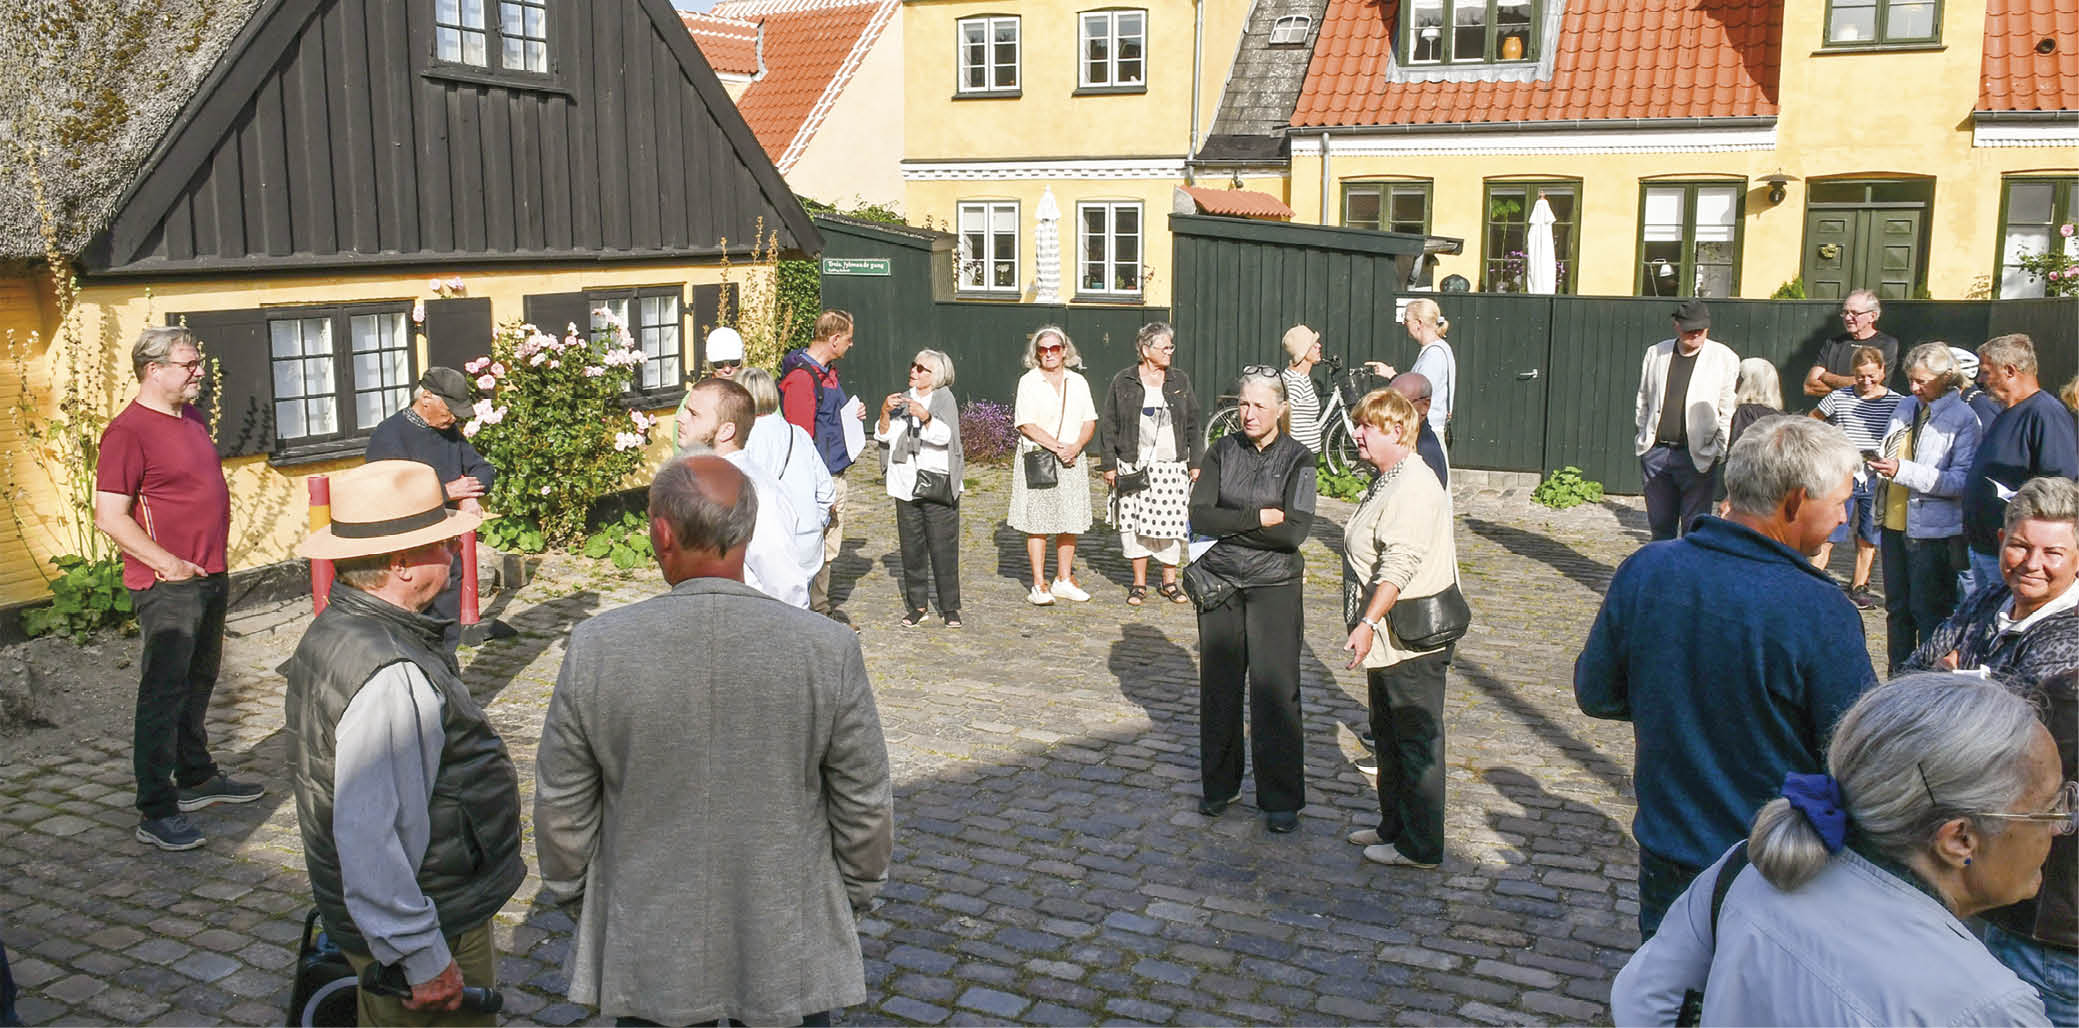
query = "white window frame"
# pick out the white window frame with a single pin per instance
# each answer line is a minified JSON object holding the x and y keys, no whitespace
{"x":1291,"y":30}
{"x":990,"y":65}
{"x":332,"y":381}
{"x":1111,"y":36}
{"x":975,"y":276}
{"x":529,"y":46}
{"x":1111,"y":262}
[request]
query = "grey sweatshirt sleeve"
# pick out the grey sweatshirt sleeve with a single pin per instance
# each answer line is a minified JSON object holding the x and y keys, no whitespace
{"x":388,"y":747}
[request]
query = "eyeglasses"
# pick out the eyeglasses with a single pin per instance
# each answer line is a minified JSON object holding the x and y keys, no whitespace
{"x":1051,"y":348}
{"x":1846,"y":313}
{"x":186,"y":367}
{"x":2059,"y":817}
{"x":1261,"y":371}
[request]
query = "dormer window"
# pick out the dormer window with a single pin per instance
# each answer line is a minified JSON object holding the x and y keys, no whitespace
{"x":1868,"y":23}
{"x":1291,"y":30}
{"x":496,"y":36}
{"x":1469,"y":31}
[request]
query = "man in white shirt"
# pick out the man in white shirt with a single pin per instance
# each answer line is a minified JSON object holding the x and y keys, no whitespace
{"x":1684,"y":411}
{"x":717,"y":416}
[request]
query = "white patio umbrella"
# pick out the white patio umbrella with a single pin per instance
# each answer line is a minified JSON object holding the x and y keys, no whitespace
{"x":1540,"y":257}
{"x":1047,"y":286}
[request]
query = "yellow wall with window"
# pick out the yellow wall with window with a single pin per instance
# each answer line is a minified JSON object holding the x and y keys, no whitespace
{"x":1843,"y":114}
{"x":269,"y":505}
{"x":1053,"y":117}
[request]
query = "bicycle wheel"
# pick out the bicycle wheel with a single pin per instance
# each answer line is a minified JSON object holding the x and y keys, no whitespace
{"x":1225,"y":421}
{"x":1340,"y":450}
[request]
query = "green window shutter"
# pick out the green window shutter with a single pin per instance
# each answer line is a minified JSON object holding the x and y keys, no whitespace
{"x":554,"y":313}
{"x":457,"y":331}
{"x":240,"y":386}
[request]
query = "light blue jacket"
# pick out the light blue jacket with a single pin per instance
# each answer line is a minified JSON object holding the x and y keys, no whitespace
{"x":1935,"y":474}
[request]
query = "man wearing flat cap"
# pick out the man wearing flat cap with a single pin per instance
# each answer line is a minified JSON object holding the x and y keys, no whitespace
{"x":1684,"y":410}
{"x":429,"y":431}
{"x":408,"y":802}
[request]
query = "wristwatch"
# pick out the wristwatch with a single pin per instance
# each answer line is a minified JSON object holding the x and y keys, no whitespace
{"x":1368,"y":621}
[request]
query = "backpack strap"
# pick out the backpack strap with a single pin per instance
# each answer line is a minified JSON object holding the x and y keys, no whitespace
{"x":1692,"y":1009}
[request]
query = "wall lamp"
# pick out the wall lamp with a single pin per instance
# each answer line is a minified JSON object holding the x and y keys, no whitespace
{"x":1776,"y":183}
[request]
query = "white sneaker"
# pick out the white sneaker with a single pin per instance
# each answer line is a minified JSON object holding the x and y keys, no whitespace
{"x":1068,"y":590}
{"x":1039,"y":597}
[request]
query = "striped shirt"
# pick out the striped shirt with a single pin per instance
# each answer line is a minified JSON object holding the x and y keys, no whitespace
{"x":1306,"y":408}
{"x":1863,"y":418}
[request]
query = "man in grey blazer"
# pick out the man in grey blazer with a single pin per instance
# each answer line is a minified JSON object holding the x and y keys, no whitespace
{"x":713,"y":782}
{"x":1684,"y":411}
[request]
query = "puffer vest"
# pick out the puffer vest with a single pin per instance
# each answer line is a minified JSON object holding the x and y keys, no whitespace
{"x":829,"y":435}
{"x":472,"y":863}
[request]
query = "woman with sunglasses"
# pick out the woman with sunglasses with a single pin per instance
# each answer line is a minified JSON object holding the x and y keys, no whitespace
{"x":919,"y":432}
{"x":1255,"y":495}
{"x":1151,"y":439}
{"x":1847,"y":902}
{"x":1053,"y":414}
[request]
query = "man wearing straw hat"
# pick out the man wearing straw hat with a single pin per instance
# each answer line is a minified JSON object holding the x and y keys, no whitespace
{"x":409,"y":804}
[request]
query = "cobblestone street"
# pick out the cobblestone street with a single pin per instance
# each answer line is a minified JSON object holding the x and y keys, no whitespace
{"x":1049,"y":865}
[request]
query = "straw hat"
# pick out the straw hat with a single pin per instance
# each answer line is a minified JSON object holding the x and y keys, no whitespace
{"x":386,"y":506}
{"x":1299,"y":339}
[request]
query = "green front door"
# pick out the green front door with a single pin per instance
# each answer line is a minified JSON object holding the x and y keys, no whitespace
{"x":1874,"y":248}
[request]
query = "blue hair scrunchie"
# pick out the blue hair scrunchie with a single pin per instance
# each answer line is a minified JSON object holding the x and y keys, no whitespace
{"x":1818,"y":797}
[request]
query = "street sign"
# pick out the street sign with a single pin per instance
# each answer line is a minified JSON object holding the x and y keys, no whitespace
{"x":873,"y":266}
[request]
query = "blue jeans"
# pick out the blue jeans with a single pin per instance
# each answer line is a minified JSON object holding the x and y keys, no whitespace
{"x":1985,"y":572}
{"x":2052,"y":971}
{"x":1676,"y":492}
{"x":1661,"y":883}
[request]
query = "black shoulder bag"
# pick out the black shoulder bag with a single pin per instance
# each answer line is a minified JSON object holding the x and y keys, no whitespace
{"x":1042,"y":466}
{"x":1692,"y":1012}
{"x":1429,"y":622}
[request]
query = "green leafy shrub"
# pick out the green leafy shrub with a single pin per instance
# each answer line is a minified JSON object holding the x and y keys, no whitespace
{"x":554,"y":428}
{"x":1566,"y":488}
{"x":513,"y":535}
{"x":625,"y":542}
{"x":87,"y":595}
{"x":1791,"y":290}
{"x":1347,"y":486}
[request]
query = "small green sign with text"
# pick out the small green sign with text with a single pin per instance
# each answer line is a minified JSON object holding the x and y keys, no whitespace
{"x":876,"y":266}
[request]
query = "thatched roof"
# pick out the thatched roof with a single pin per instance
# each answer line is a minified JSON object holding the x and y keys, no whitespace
{"x":89,"y":89}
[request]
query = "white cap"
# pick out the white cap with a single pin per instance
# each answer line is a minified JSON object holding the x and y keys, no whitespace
{"x":723,"y":344}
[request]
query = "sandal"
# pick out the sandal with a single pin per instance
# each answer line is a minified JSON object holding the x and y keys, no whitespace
{"x":1175,"y":592}
{"x":951,"y":618}
{"x":913,"y":619}
{"x":1136,"y":595}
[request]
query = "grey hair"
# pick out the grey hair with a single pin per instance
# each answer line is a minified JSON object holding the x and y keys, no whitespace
{"x":1876,"y":306}
{"x":697,"y":522}
{"x":156,"y":343}
{"x":1911,"y":756}
{"x":2014,"y":350}
{"x":1938,"y":360}
{"x":1069,"y":357}
{"x":765,"y":395}
{"x":2044,"y":499}
{"x":1149,"y":333}
{"x":372,"y":571}
{"x":941,"y":367}
{"x":1781,"y":453}
{"x":1759,"y":383}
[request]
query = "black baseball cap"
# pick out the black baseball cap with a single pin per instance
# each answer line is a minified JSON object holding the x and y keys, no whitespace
{"x":1691,"y":315}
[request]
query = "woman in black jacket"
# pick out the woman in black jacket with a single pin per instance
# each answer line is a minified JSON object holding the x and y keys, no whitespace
{"x":1150,"y":435}
{"x":1255,"y":494}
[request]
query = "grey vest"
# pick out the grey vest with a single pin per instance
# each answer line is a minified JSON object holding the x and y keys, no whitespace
{"x":472,"y":863}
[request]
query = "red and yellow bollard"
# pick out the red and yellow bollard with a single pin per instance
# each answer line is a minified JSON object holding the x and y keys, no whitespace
{"x":320,"y":516}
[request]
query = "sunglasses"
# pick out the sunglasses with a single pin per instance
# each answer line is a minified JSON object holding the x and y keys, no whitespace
{"x":1262,"y":371}
{"x":727,"y":364}
{"x":1051,"y":348}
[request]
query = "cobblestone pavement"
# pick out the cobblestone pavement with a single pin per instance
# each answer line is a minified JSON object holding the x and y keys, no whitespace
{"x":1050,"y":866}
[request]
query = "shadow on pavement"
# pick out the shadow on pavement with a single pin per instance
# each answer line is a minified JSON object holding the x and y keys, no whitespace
{"x":1544,"y":727}
{"x":1586,"y":571}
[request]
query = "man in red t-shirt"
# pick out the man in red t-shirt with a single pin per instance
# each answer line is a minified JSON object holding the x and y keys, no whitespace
{"x":159,"y":493}
{"x":812,"y":399}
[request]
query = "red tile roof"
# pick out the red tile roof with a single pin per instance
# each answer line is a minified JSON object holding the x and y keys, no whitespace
{"x":2017,"y":78}
{"x":1615,"y":59}
{"x":1238,"y":203}
{"x":729,"y":44}
{"x":812,"y":47}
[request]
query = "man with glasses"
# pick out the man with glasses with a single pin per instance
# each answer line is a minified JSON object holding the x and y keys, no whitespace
{"x":1836,"y":366}
{"x":159,"y":493}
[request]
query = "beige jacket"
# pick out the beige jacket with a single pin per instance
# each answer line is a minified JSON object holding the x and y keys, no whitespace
{"x":1400,"y":534}
{"x":1707,"y":408}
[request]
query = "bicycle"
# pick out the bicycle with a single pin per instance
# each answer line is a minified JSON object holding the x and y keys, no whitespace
{"x":1338,"y":434}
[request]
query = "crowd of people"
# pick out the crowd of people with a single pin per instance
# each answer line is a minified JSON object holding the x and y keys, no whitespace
{"x":746,"y":788}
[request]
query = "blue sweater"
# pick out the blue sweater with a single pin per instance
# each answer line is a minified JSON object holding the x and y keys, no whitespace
{"x":1732,"y":657}
{"x":2030,"y":439}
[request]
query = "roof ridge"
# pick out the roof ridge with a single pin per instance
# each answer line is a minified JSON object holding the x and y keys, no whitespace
{"x":689,"y":17}
{"x":752,"y":9}
{"x":838,"y":80}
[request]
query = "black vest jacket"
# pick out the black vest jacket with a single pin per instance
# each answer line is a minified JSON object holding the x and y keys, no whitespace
{"x":472,"y":863}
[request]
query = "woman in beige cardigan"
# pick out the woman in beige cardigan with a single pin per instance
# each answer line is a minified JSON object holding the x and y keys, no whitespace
{"x":1399,"y":544}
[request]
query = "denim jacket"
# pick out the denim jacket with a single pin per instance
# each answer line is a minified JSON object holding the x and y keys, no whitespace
{"x":1934,"y":475}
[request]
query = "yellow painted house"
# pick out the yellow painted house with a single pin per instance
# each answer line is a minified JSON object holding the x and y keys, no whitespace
{"x":1913,"y":147}
{"x":336,"y":194}
{"x":1043,"y":127}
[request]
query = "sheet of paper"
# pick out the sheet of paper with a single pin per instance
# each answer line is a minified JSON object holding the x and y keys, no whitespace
{"x":1199,"y":544}
{"x":1999,"y":490}
{"x":853,"y":418}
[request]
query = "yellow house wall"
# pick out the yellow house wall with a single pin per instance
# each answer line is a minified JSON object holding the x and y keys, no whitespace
{"x":855,"y":156}
{"x":269,"y":506}
{"x":1842,"y":114}
{"x":938,"y":201}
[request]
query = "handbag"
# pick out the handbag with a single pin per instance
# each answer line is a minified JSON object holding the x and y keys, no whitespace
{"x":933,"y":487}
{"x":1131,"y":483}
{"x":1430,"y":622}
{"x":1206,"y":589}
{"x":1043,"y":467}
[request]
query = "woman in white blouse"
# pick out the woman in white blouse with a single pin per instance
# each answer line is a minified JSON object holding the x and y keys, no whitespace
{"x":1053,"y":413}
{"x":920,"y":434}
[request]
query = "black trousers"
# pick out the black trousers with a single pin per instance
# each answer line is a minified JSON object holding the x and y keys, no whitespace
{"x":1676,"y":492}
{"x":1919,"y":589}
{"x":183,"y":628}
{"x":1407,"y":703}
{"x":930,"y":536}
{"x":1254,"y":634}
{"x":1661,"y":883}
